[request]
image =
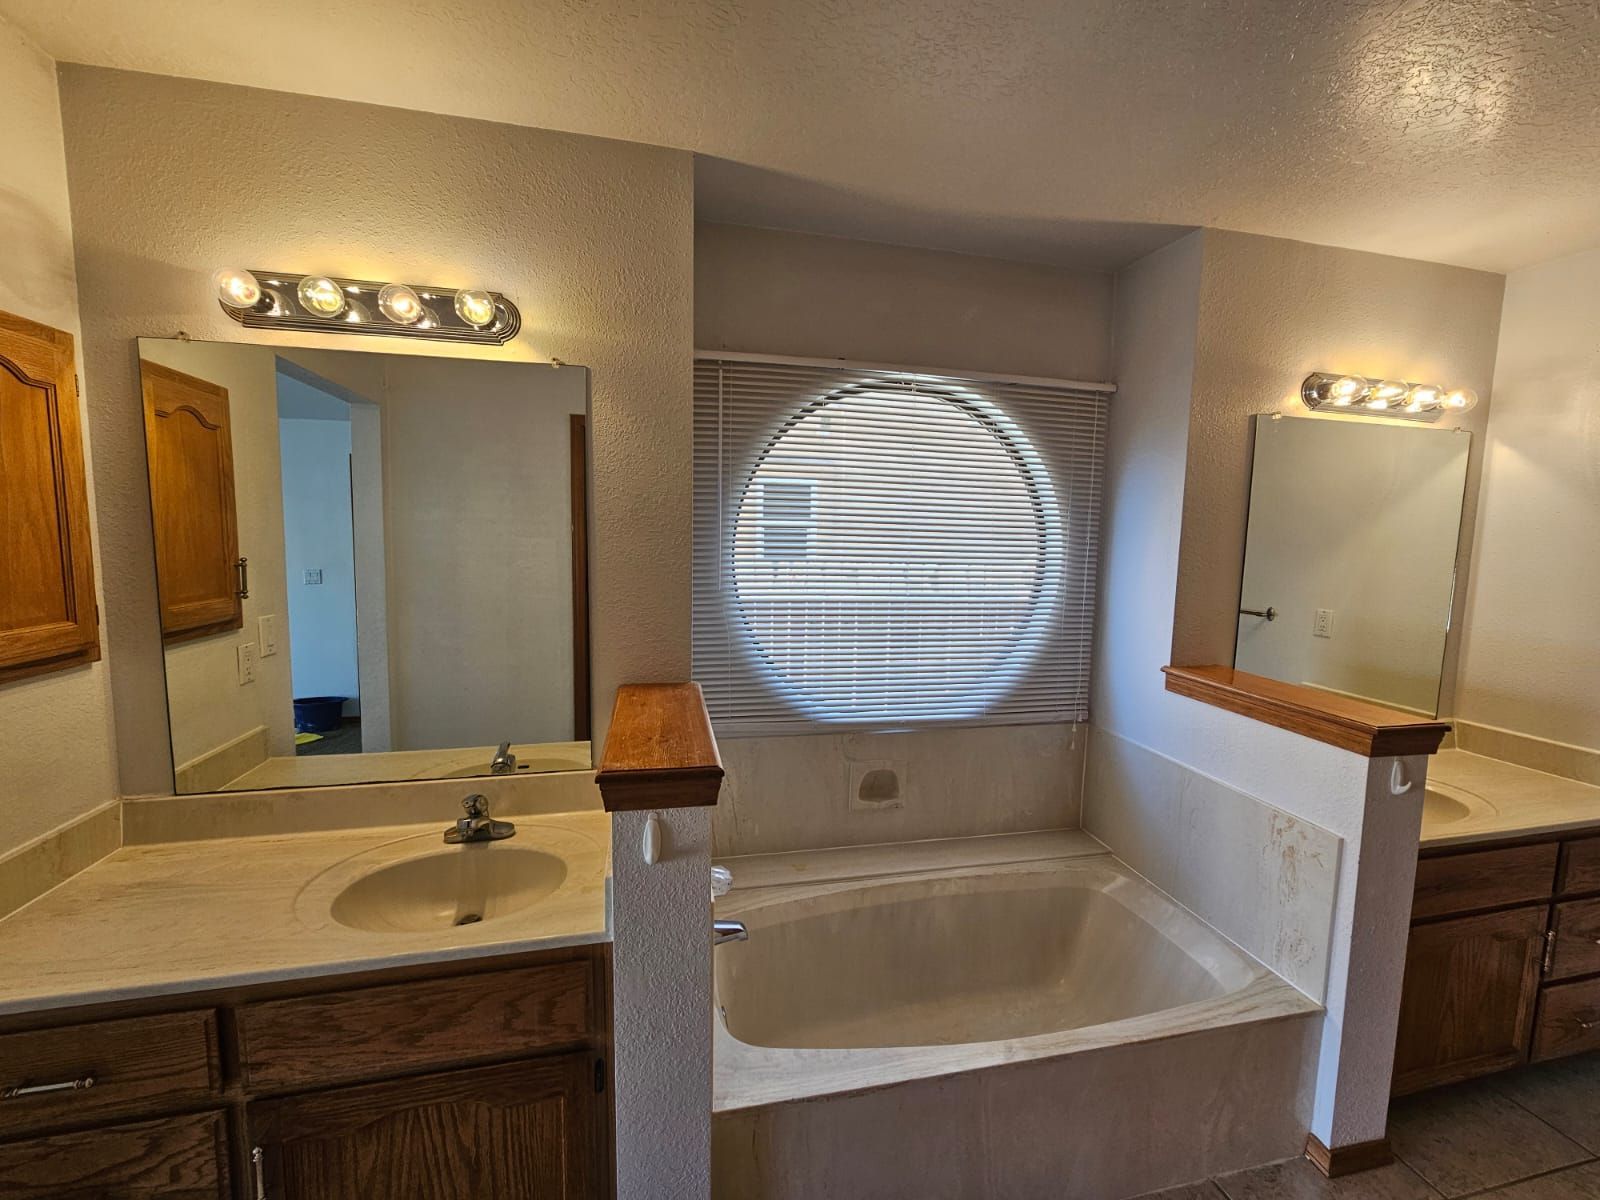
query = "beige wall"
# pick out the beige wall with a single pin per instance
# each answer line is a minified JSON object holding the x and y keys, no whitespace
{"x":209,"y":707}
{"x":57,"y":755}
{"x":1271,"y":312}
{"x":768,"y":292}
{"x":594,"y":240}
{"x":1531,"y":658}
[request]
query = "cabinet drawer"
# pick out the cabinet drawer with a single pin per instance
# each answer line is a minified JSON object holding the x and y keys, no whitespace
{"x":1580,"y":866}
{"x":134,"y":1064}
{"x":1569,"y":1020}
{"x":1456,"y":883}
{"x":391,"y":1029}
{"x":178,"y":1158}
{"x":1577,"y":939}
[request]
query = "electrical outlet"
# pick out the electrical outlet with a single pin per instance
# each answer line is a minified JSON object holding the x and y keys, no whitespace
{"x":267,"y":632}
{"x":877,"y":785}
{"x":1322,"y":627}
{"x":247,"y":663}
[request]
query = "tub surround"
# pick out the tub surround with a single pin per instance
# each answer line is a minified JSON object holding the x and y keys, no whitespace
{"x":152,"y":920}
{"x":794,"y":792}
{"x":1259,"y":875}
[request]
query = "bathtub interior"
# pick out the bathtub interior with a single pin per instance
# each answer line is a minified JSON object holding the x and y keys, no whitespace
{"x":962,"y":958}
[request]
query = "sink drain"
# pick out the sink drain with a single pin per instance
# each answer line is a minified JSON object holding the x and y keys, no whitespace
{"x":469,"y":918}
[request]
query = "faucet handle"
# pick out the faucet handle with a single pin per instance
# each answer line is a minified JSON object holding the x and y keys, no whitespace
{"x":477,"y":805}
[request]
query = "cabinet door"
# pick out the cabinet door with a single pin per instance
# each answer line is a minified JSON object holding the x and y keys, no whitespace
{"x":189,"y":451}
{"x":527,"y":1131}
{"x":177,"y":1158}
{"x":1470,"y":987}
{"x":47,"y":609}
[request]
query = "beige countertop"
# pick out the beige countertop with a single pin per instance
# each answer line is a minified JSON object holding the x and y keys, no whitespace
{"x":177,"y":917}
{"x":1477,"y":799}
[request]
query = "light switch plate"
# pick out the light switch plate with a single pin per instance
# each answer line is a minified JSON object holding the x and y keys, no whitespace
{"x":313,"y":576}
{"x":267,"y":634}
{"x":1323,"y":626}
{"x":247,"y":663}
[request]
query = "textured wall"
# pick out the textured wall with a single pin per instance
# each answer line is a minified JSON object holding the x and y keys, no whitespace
{"x":1531,"y":654}
{"x":1162,"y":337}
{"x":57,"y":756}
{"x":1271,"y":312}
{"x":769,"y":292}
{"x":594,"y":240}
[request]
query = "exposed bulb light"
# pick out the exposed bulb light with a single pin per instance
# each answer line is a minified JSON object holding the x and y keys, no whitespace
{"x":401,"y":304}
{"x":1459,"y":399}
{"x":1423,"y":397}
{"x":475,"y":306}
{"x":236,"y":288}
{"x":1388,"y":393}
{"x":1347,"y":390}
{"x":320,"y":295}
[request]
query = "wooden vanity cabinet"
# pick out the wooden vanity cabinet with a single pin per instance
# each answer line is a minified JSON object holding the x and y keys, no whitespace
{"x":1503,"y":962}
{"x":444,"y":1082}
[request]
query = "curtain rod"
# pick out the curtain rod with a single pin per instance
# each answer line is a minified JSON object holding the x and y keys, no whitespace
{"x":850,"y":365}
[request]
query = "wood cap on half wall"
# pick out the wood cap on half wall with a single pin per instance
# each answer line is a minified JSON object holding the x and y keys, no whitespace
{"x":1356,"y":725}
{"x":660,"y":751}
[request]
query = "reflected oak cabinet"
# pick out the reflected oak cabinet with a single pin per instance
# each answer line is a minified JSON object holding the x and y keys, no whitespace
{"x":426,"y":1083}
{"x":48,"y":616}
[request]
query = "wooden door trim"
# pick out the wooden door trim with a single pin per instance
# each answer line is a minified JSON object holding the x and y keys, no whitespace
{"x":41,"y":357}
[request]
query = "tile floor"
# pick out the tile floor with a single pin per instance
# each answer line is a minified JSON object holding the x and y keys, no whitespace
{"x":1531,"y":1134}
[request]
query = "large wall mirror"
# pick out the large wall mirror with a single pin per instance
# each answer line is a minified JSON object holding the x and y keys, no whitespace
{"x":371,"y":567}
{"x":1349,"y":569}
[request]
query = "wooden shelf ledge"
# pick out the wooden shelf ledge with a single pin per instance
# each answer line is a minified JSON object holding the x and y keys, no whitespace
{"x":660,"y":751}
{"x":1355,"y":725}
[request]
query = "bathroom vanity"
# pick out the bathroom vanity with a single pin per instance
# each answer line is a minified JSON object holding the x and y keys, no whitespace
{"x":445,"y":1080}
{"x":1503,"y":963}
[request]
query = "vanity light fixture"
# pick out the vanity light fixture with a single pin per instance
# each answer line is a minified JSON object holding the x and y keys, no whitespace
{"x":1354,"y":395}
{"x":260,"y":299}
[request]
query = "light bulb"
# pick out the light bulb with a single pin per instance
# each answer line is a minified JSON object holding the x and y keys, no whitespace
{"x":320,"y":295}
{"x":1459,"y":399}
{"x":475,"y":306}
{"x":1389,"y":391}
{"x":236,"y":288}
{"x":1347,"y":390}
{"x":401,"y":304}
{"x":1423,"y":397}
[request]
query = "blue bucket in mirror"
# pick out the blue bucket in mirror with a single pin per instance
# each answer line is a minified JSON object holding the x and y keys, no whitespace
{"x":317,"y":714}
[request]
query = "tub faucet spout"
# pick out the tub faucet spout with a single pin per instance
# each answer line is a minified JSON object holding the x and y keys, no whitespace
{"x":728,"y":931}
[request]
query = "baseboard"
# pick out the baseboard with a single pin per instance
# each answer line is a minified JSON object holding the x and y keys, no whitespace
{"x":1348,"y":1160}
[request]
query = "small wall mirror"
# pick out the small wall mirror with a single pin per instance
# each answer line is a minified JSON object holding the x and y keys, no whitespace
{"x":371,"y":567}
{"x":1349,"y":566}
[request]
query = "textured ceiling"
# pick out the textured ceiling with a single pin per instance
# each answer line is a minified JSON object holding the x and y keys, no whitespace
{"x":1463,"y":131}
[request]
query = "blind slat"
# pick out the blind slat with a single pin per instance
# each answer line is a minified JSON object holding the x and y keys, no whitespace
{"x":878,"y":549}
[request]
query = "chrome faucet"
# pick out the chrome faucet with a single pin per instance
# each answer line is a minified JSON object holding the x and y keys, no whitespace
{"x":504,"y":762}
{"x":477,"y":826}
{"x":728,"y":931}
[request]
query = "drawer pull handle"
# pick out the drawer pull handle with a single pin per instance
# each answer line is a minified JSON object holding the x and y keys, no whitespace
{"x":1589,"y":1024}
{"x":256,"y":1156}
{"x":40,"y":1089}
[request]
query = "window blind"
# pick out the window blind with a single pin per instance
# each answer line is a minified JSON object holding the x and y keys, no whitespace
{"x":877,"y":549}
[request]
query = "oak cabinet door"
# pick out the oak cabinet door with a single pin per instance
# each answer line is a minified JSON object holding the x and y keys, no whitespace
{"x":1469,"y":994}
{"x":526,"y":1131}
{"x":47,"y":609}
{"x":189,"y":451}
{"x":175,"y":1158}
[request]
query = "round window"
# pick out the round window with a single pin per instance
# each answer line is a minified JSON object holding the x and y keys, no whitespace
{"x":896,"y":556}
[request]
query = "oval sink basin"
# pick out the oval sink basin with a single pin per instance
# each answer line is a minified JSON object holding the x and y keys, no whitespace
{"x":460,"y":885}
{"x":1439,"y":809}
